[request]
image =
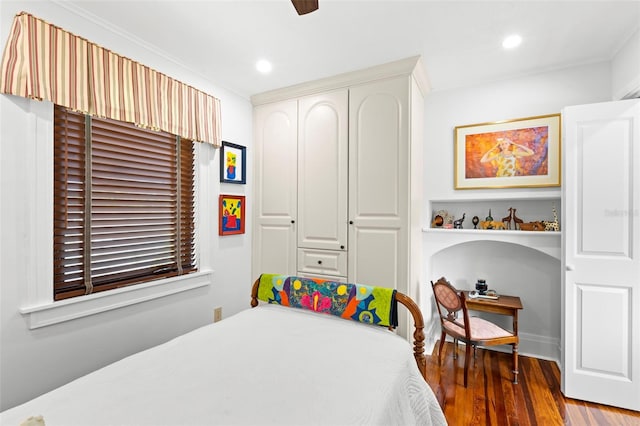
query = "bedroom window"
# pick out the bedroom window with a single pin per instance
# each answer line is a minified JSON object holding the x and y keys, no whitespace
{"x":124,"y":205}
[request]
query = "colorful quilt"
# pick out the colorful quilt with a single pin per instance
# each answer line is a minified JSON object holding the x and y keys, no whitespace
{"x":363,"y":303}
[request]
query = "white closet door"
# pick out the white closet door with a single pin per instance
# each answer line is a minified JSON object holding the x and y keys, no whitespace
{"x":323,"y":131}
{"x":601,"y":209}
{"x":275,"y":188}
{"x":379,"y":183}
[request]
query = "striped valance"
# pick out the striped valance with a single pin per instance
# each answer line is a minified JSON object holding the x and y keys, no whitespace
{"x":45,"y":62}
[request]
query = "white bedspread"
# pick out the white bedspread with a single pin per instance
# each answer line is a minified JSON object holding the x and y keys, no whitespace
{"x":268,"y":365}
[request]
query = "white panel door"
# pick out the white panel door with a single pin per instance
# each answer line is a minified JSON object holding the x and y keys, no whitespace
{"x":601,"y":209}
{"x":379,"y":183}
{"x":323,"y":131}
{"x":275,"y":188}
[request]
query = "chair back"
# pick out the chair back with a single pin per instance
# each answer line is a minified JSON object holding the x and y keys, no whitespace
{"x":450,"y":302}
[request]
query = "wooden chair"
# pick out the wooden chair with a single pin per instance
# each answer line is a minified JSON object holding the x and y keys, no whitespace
{"x":473,"y":331}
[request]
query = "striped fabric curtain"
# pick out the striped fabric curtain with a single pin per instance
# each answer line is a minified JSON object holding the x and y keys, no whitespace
{"x":44,"y":62}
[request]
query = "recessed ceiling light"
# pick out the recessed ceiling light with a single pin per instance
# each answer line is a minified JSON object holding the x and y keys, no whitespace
{"x":263,"y":66}
{"x":512,"y":41}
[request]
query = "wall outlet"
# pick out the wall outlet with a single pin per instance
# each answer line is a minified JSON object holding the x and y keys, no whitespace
{"x":217,"y":314}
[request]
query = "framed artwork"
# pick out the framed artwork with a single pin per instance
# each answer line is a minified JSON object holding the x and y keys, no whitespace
{"x":231,"y":214}
{"x":233,"y":163}
{"x":523,"y":152}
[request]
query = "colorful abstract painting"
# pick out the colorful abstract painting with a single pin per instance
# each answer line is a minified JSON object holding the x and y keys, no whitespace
{"x":233,"y":163}
{"x":515,"y":153}
{"x":231,"y":214}
{"x":519,"y":152}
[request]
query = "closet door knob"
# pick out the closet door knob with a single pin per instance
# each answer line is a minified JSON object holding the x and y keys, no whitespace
{"x":341,"y":247}
{"x":319,"y":262}
{"x":350,"y":222}
{"x":293,"y":221}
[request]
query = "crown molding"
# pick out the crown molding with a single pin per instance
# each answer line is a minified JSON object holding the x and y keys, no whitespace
{"x":409,"y":66}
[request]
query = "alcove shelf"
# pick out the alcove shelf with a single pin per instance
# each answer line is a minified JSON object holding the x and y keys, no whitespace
{"x":529,"y":208}
{"x":437,"y":239}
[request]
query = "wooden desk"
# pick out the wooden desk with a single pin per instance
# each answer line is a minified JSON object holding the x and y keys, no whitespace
{"x":504,"y":305}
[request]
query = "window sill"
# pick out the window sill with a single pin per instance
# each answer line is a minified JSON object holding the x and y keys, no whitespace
{"x":66,"y":310}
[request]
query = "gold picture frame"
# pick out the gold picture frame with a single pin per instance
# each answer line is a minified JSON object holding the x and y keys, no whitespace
{"x":517,"y":153}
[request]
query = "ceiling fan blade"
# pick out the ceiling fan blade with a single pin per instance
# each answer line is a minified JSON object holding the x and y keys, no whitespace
{"x":305,"y":6}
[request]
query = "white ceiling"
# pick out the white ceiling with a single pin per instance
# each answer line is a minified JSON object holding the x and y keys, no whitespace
{"x":460,"y":41}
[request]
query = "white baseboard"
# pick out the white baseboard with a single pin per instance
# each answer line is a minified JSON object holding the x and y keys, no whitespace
{"x":431,"y":334}
{"x":537,"y":346}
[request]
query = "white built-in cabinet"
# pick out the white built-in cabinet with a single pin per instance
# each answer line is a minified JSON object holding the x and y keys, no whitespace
{"x":323,"y":149}
{"x":379,"y":182}
{"x":338,"y":177}
{"x":275,"y":187}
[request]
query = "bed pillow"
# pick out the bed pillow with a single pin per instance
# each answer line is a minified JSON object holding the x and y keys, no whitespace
{"x":358,"y":302}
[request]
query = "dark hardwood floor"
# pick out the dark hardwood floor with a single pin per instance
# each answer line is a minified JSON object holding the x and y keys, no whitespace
{"x":491,"y":398}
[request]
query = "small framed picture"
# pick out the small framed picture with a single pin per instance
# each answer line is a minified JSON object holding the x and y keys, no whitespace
{"x":231,"y":214}
{"x":519,"y":153}
{"x":233,"y":163}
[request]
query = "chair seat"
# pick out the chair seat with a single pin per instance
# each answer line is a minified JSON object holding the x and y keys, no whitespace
{"x":450,"y":303}
{"x":481,"y":329}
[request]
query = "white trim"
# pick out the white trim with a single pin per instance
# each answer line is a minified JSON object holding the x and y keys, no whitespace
{"x":432,"y":333}
{"x":438,"y":239}
{"x":409,"y":66}
{"x":38,"y":148}
{"x":543,"y":347}
{"x":630,"y":91}
{"x":42,"y":315}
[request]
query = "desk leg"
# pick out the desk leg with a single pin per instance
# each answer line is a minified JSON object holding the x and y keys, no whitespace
{"x":515,"y":363}
{"x":515,"y":348}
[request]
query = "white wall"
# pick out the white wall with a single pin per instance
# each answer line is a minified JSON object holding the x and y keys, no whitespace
{"x":30,"y":359}
{"x":33,"y":361}
{"x":625,"y":69}
{"x":509,"y":268}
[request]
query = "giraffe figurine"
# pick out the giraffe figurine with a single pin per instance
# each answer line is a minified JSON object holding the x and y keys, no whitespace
{"x":516,"y":220}
{"x":552,"y":225}
{"x":507,"y":219}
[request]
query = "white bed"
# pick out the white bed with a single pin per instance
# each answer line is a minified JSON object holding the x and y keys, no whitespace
{"x":267,"y":365}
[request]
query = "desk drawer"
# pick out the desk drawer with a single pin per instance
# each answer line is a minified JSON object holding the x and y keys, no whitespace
{"x":323,"y":262}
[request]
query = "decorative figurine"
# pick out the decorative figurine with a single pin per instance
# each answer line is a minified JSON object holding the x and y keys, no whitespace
{"x":552,"y":225}
{"x":507,"y":219}
{"x":532,"y":226}
{"x":475,"y":222}
{"x":457,"y":224}
{"x":442,"y":219}
{"x":491,"y":224}
{"x":489,"y":218}
{"x":516,"y":220}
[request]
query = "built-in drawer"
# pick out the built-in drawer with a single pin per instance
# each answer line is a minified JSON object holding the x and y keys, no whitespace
{"x":322,"y":262}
